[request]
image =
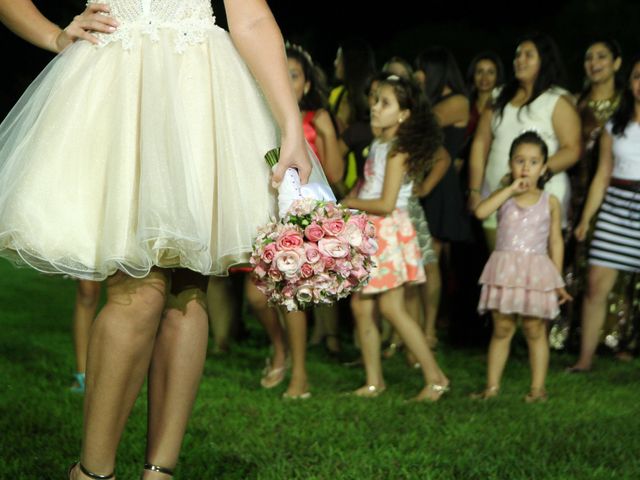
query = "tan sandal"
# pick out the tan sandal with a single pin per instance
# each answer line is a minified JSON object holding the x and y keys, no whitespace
{"x":434,"y":393}
{"x":536,"y":396}
{"x":272,"y":377}
{"x":487,"y":394}
{"x":369,"y":391}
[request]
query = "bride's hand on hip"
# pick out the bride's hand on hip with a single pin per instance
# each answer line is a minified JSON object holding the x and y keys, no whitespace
{"x":95,"y":18}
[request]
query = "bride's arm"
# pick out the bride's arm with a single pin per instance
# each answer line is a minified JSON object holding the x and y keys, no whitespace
{"x":257,"y":37}
{"x":25,"y":20}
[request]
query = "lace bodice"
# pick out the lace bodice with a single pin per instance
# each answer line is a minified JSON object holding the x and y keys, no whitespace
{"x":189,"y":20}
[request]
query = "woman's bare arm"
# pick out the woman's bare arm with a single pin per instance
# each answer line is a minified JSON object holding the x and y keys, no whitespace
{"x":25,"y":20}
{"x":257,"y":37}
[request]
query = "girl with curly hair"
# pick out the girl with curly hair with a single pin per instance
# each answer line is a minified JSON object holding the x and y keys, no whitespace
{"x":402,"y":154}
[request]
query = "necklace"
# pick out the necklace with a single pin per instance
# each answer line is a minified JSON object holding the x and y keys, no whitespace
{"x":603,"y":109}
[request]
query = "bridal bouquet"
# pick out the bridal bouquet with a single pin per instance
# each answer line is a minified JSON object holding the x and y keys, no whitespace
{"x":317,"y":253}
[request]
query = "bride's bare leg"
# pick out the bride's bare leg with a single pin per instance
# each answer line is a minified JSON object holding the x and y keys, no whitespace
{"x":87,"y":298}
{"x":120,"y":348}
{"x":176,"y":367}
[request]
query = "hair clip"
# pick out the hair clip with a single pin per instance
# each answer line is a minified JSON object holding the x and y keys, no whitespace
{"x":300,"y":50}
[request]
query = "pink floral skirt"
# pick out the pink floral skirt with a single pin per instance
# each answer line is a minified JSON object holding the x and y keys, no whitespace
{"x":398,"y":259}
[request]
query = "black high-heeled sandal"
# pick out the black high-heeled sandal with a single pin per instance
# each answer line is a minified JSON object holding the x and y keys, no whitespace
{"x":156,"y":468}
{"x":89,"y":473}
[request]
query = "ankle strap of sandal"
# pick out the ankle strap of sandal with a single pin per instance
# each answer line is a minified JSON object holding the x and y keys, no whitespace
{"x":157,"y":468}
{"x":95,"y":476}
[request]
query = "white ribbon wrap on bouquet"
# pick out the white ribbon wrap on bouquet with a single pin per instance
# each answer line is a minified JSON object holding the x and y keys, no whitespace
{"x":290,"y":190}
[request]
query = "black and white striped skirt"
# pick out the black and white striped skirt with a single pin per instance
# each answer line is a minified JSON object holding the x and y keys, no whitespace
{"x":616,"y":236}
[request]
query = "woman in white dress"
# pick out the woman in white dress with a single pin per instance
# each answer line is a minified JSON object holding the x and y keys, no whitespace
{"x":139,"y":159}
{"x":530,"y":101}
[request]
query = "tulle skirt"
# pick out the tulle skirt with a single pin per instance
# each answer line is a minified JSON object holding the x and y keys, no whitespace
{"x":520,"y":282}
{"x":118,"y":159}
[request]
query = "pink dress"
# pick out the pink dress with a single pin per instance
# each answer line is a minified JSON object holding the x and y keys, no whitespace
{"x":310,"y":133}
{"x":519,"y":276}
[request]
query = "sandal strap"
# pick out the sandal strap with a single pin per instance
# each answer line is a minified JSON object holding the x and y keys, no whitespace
{"x":157,"y":468}
{"x":438,"y":388}
{"x":95,"y":476}
{"x":80,"y":378}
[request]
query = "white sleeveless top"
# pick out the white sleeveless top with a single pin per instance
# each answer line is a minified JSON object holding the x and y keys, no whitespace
{"x":626,"y":152}
{"x":374,"y":169}
{"x":536,"y":116}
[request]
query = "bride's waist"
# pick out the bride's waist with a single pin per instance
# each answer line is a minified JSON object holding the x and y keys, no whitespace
{"x":184,"y":31}
{"x":165,"y":13}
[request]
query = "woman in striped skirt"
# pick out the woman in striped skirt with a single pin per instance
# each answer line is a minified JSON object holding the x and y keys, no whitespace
{"x":615,"y":190}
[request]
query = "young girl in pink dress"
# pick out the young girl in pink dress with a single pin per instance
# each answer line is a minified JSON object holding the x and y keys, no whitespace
{"x":403,"y":152}
{"x":522,"y":277}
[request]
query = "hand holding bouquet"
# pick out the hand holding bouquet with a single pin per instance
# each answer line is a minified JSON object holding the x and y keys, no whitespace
{"x":317,"y":253}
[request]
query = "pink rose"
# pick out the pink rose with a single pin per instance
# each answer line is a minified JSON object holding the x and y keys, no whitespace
{"x":318,"y":267}
{"x":359,"y":220}
{"x":312,"y":253}
{"x":369,"y":247}
{"x":268,"y":253}
{"x":352,"y":235}
{"x":259,"y":270}
{"x":306,"y":270}
{"x":328,"y":262}
{"x":288,"y":262}
{"x":344,"y":267}
{"x":314,"y":232}
{"x":323,"y":280}
{"x":333,"y":247}
{"x":333,"y":227}
{"x":288,"y":291}
{"x":289,"y":240}
{"x":275,"y":274}
{"x":329,"y":209}
{"x":358,"y":274}
{"x":357,"y":260}
{"x":370,"y":230}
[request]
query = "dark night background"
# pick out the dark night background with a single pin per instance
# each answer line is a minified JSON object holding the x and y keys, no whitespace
{"x":465,"y":27}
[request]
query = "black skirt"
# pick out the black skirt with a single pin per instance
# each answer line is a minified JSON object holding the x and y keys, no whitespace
{"x":446,"y":211}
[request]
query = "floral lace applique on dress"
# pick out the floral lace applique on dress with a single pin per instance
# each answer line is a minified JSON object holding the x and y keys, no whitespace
{"x":188,"y":20}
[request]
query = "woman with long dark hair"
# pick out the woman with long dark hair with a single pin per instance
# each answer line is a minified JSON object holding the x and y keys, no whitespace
{"x":485,"y":74}
{"x":615,"y":196}
{"x":437,"y":72}
{"x":530,"y":100}
{"x":599,"y":98}
{"x":349,"y":104}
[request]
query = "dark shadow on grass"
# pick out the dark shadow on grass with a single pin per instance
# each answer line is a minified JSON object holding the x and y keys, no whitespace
{"x":222,"y":466}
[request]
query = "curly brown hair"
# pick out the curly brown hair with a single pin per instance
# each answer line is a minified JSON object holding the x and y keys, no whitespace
{"x":420,"y":136}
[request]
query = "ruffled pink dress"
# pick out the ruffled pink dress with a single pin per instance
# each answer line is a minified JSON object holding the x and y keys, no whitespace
{"x":519,"y":276}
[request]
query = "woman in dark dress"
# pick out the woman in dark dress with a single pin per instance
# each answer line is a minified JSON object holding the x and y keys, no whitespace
{"x":437,"y":72}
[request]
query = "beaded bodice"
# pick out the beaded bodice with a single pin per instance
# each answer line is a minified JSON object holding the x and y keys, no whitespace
{"x":524,"y":229}
{"x":187,"y":20}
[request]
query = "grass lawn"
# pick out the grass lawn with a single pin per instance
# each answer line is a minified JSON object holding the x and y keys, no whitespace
{"x":589,"y":429}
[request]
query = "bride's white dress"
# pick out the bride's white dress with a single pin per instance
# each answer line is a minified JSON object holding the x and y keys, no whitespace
{"x":145,"y":150}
